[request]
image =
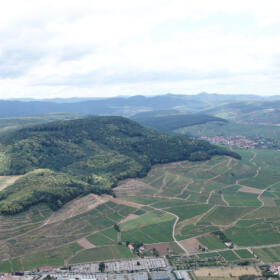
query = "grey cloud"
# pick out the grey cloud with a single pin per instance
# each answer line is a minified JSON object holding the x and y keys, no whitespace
{"x":16,"y":62}
{"x":102,"y":77}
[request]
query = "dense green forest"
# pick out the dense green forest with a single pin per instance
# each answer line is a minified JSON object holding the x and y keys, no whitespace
{"x":86,"y":155}
{"x":168,"y":123}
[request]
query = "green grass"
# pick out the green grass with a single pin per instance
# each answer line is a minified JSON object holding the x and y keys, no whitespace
{"x":53,"y":257}
{"x":265,"y":213}
{"x":189,"y":231}
{"x":189,"y":211}
{"x":111,"y":233}
{"x":260,"y":234}
{"x":244,"y":254}
{"x":102,"y":253}
{"x":248,"y":223}
{"x":212,"y":242}
{"x":229,"y":256}
{"x":208,"y":255}
{"x":268,"y":255}
{"x":160,"y":232}
{"x":5,"y":267}
{"x":100,"y":239}
{"x":146,"y":219}
{"x":242,"y":199}
{"x":223,"y":215}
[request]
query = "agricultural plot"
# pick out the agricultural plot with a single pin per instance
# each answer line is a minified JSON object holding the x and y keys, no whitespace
{"x":159,"y":232}
{"x":190,"y":211}
{"x":222,"y":215}
{"x":205,"y":196}
{"x":211,"y":242}
{"x":268,"y":255}
{"x":259,"y":234}
{"x":102,"y":253}
{"x":192,"y":230}
{"x":244,"y":254}
{"x":265,"y":213}
{"x":229,"y":256}
{"x":242,"y":199}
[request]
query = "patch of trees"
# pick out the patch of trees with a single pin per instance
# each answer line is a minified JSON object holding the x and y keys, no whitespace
{"x":92,"y":153}
{"x":173,"y":122}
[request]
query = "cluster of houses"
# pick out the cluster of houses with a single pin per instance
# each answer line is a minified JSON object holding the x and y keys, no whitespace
{"x":275,"y":269}
{"x":237,"y":141}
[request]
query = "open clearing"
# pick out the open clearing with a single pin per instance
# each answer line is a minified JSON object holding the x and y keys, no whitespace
{"x":7,"y":180}
{"x":85,"y":243}
{"x":191,"y":244}
{"x":250,"y":190}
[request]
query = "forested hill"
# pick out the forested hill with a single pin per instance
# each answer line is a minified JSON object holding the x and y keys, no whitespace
{"x":86,"y":155}
{"x":168,"y":123}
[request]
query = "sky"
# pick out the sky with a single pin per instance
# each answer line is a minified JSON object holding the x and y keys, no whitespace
{"x":89,"y":48}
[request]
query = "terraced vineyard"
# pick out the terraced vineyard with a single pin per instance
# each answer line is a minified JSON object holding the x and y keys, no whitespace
{"x":179,"y":208}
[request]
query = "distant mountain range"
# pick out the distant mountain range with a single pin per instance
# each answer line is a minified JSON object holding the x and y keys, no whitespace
{"x":125,"y":106}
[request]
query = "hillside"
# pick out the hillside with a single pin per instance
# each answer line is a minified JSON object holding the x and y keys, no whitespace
{"x":170,"y":122}
{"x":223,"y":198}
{"x":98,"y":151}
{"x":255,"y":112}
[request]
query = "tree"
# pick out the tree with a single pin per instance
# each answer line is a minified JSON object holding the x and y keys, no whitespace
{"x":117,"y":228}
{"x":101,"y":267}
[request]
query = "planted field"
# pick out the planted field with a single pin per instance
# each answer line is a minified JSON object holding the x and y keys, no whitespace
{"x":222,"y":215}
{"x":189,"y":211}
{"x":260,"y":234}
{"x":205,"y":196}
{"x":244,"y":254}
{"x":102,"y":253}
{"x":229,"y":256}
{"x":211,"y":242}
{"x":160,"y":232}
{"x":192,"y":230}
{"x":152,"y":218}
{"x":265,"y":213}
{"x":242,"y":199}
{"x":268,"y":255}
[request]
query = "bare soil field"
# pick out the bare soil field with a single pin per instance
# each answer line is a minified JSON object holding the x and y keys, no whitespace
{"x":131,"y":187}
{"x":124,"y":202}
{"x":76,"y":207}
{"x":129,"y":218}
{"x":85,"y":243}
{"x":7,"y":180}
{"x":250,"y":190}
{"x":227,"y":272}
{"x":191,"y":244}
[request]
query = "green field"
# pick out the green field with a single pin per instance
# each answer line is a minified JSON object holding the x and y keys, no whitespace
{"x":268,"y":255}
{"x":102,"y":253}
{"x":212,"y":242}
{"x":244,"y":254}
{"x":229,"y":256}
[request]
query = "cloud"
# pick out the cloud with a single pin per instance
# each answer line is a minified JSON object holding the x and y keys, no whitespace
{"x":104,"y":48}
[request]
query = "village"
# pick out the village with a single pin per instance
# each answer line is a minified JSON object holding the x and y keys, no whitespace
{"x":237,"y":141}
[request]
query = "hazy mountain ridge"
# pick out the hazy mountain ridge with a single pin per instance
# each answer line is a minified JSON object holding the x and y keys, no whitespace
{"x":125,"y":106}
